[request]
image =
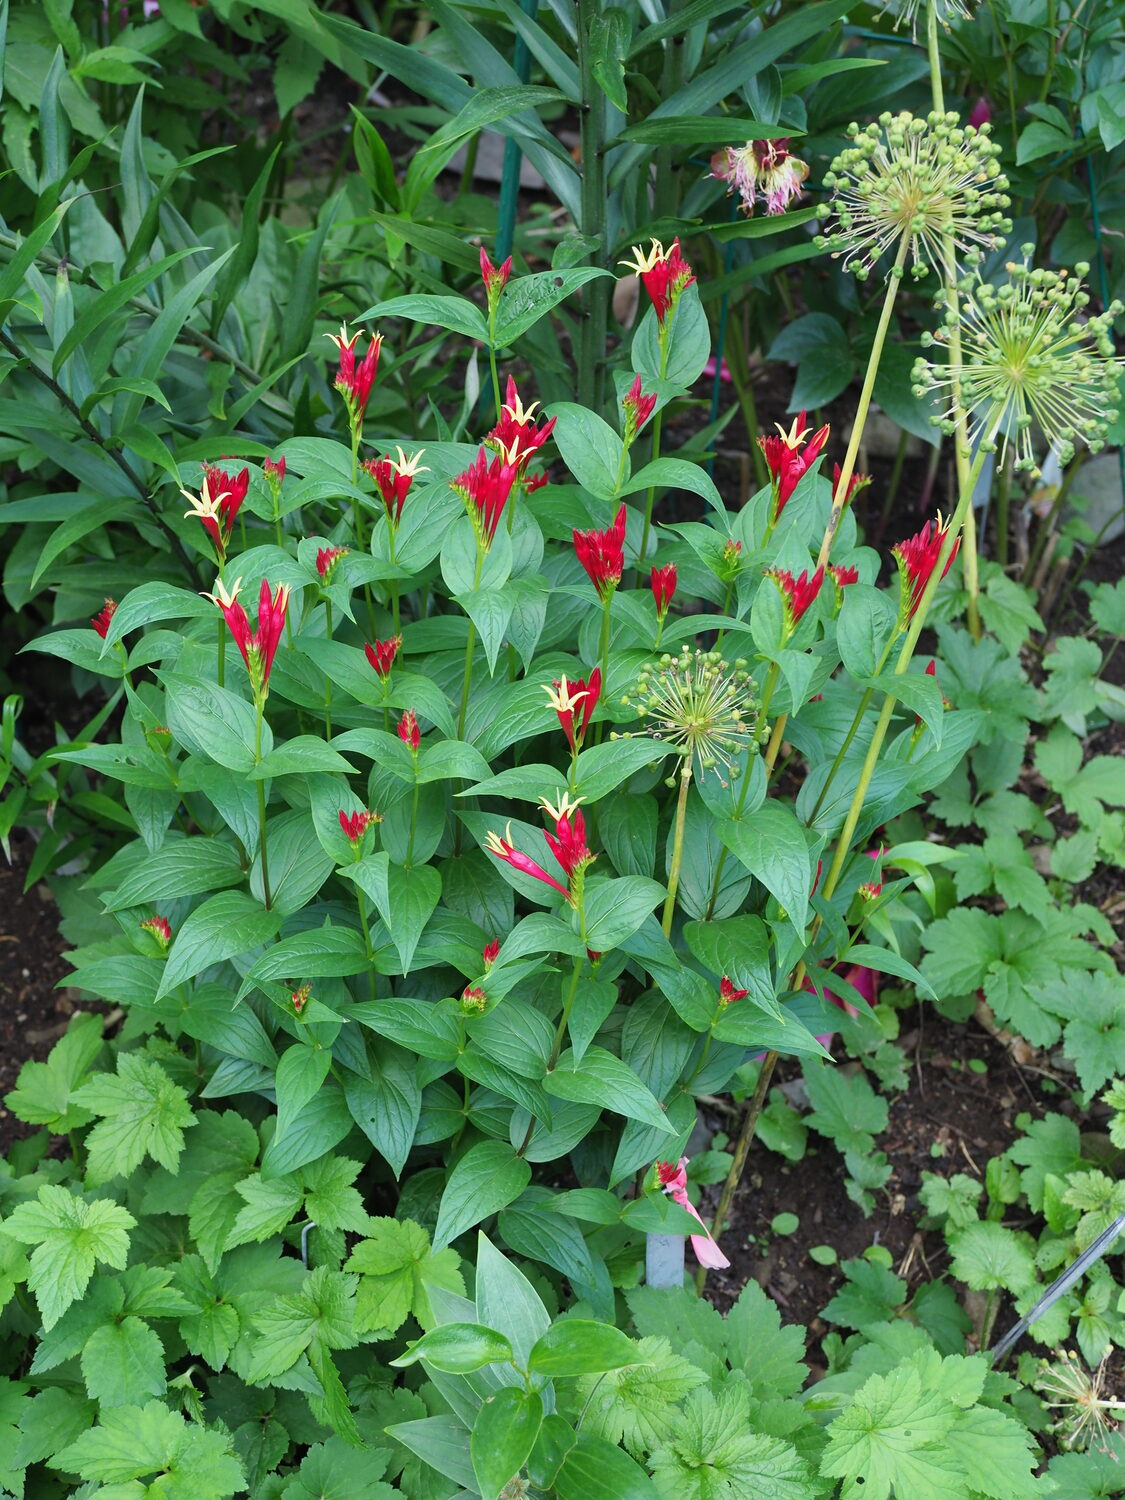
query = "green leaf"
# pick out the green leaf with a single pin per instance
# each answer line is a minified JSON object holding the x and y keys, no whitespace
{"x":637,"y":1405}
{"x":615,"y":909}
{"x":386,"y":1105}
{"x":676,"y":474}
{"x":440,"y":1442}
{"x":404,"y":898}
{"x":396,"y":1269}
{"x":224,"y":927}
{"x":300,"y":1072}
{"x":44,"y":1090}
{"x":603,"y":1079}
{"x":590,"y":448}
{"x":486,"y":1179}
{"x":123,"y":1363}
{"x":1040,"y":139}
{"x":70,"y":1237}
{"x":458,"y":1348}
{"x":892,"y":1438}
{"x":986,"y":1256}
{"x":529,"y":298}
{"x":697,"y":130}
{"x":143,"y":1114}
{"x":575,"y":1346}
{"x":603,"y":768}
{"x":185,"y":867}
{"x":303,"y":754}
{"x":457,"y":314}
{"x":771,"y":844}
{"x":135,"y":1442}
{"x":995,"y":1452}
{"x":49,"y":1421}
{"x":504,"y":1434}
{"x":848,"y":1110}
{"x":213,"y":722}
{"x":713,"y":1451}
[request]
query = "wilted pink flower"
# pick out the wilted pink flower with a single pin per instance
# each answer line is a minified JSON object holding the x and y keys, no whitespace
{"x":673,"y":1179}
{"x":761,"y":169}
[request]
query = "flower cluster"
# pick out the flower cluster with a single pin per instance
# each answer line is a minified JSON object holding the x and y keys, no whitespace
{"x":101,"y":620}
{"x":217,"y":505}
{"x":917,"y":558}
{"x":727,"y":992}
{"x":259,"y":646}
{"x":495,"y":279}
{"x":700,"y":705}
{"x":326,"y":560}
{"x":565,"y":697}
{"x":665,"y":275}
{"x":381,"y":655}
{"x":1033,"y":358}
{"x":932,"y":182}
{"x":789,"y":458}
{"x":637,"y":408}
{"x":663,"y":582}
{"x":602,"y":554}
{"x":516,"y":436}
{"x":567,"y":844}
{"x":354,"y":381}
{"x":408,"y":731}
{"x":393,"y":478}
{"x":797,"y":594}
{"x":765,"y":170}
{"x":160,"y":928}
{"x":354,"y":825}
{"x":484,"y":488}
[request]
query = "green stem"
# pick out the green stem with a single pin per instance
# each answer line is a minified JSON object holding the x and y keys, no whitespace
{"x":847,"y":833}
{"x":221,"y":660}
{"x":368,"y":949}
{"x":677,"y":847}
{"x":847,"y":469}
{"x":937,"y":93}
{"x":864,"y":704}
{"x":327,"y":679}
{"x":267,"y":899}
{"x":494,"y":371}
{"x":1003,"y":508}
{"x":720,"y":864}
{"x":413,"y":819}
{"x":592,"y":208}
{"x":657,"y":426}
{"x":568,"y":1005}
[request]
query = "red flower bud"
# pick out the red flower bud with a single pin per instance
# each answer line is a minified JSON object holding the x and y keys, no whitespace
{"x":663,"y":588}
{"x":101,"y":620}
{"x":382,"y":654}
{"x":728,"y":994}
{"x":602,"y":554}
{"x":160,"y":928}
{"x":408,"y":731}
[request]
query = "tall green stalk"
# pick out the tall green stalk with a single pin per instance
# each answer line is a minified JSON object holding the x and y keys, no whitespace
{"x":594,"y":195}
{"x":847,"y":469}
{"x":740,"y":802}
{"x":267,"y":899}
{"x":677,"y":847}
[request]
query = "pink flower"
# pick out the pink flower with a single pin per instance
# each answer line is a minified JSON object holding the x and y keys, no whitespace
{"x":354,"y":381}
{"x":408,"y":731}
{"x":565,"y":697}
{"x":258,"y":647}
{"x":638,"y":408}
{"x":917,"y":558}
{"x":797,"y":593}
{"x":789,"y":458}
{"x":274,"y":472}
{"x":981,"y":113}
{"x":665,"y":274}
{"x":602,"y":554}
{"x":843,"y":575}
{"x":503,"y":849}
{"x":326,"y":560}
{"x":673,"y":1179}
{"x":300,"y":997}
{"x":485,"y":487}
{"x":761,"y":169}
{"x":382,"y":654}
{"x":160,"y":928}
{"x":663,"y":588}
{"x":101,"y":620}
{"x":228,"y":493}
{"x":727,"y":992}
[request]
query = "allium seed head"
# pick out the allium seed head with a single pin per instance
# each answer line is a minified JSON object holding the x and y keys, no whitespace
{"x":700,"y":705}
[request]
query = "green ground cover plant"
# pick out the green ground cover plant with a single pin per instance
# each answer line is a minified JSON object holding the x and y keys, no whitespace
{"x":469,"y":785}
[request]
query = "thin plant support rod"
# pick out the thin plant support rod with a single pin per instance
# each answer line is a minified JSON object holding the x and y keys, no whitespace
{"x":1062,"y":1284}
{"x":594,"y":192}
{"x":513,"y":156}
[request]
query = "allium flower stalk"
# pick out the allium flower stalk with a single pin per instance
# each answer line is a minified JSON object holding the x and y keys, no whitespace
{"x":1034,"y":363}
{"x":354,"y":381}
{"x":789,"y":458}
{"x":101,"y":620}
{"x":602,"y":554}
{"x":931,"y":183}
{"x":484,"y":489}
{"x":906,"y":11}
{"x":665,"y":275}
{"x":258,"y":646}
{"x":701,"y":706}
{"x":765,"y":170}
{"x":637,"y":408}
{"x":917,"y":558}
{"x":381,"y":655}
{"x":393,"y":478}
{"x":564,"y":697}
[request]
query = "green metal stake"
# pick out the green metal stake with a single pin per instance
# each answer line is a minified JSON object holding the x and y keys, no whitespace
{"x":513,"y":156}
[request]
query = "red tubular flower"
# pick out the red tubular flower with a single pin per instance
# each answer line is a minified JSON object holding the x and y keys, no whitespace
{"x":326,"y":560}
{"x":227,"y":493}
{"x":503,"y":849}
{"x":382,"y":654}
{"x":393,"y":478}
{"x":917,"y":558}
{"x":258,"y":647}
{"x":789,"y":458}
{"x":274,"y":472}
{"x":564,"y":697}
{"x":533,"y":482}
{"x":356,"y":824}
{"x":408,"y":731}
{"x":300,"y":997}
{"x":490,"y":954}
{"x":638,"y":408}
{"x":485,"y":489}
{"x":843,"y":575}
{"x":101,"y":620}
{"x":665,"y":274}
{"x":495,"y":278}
{"x":568,"y":842}
{"x":856,"y":483}
{"x":160,"y":928}
{"x":602,"y":554}
{"x":728,"y":994}
{"x":473,"y":1000}
{"x":354,"y":381}
{"x":871,"y":890}
{"x":797,"y":593}
{"x":516,"y":436}
{"x":663,"y":588}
